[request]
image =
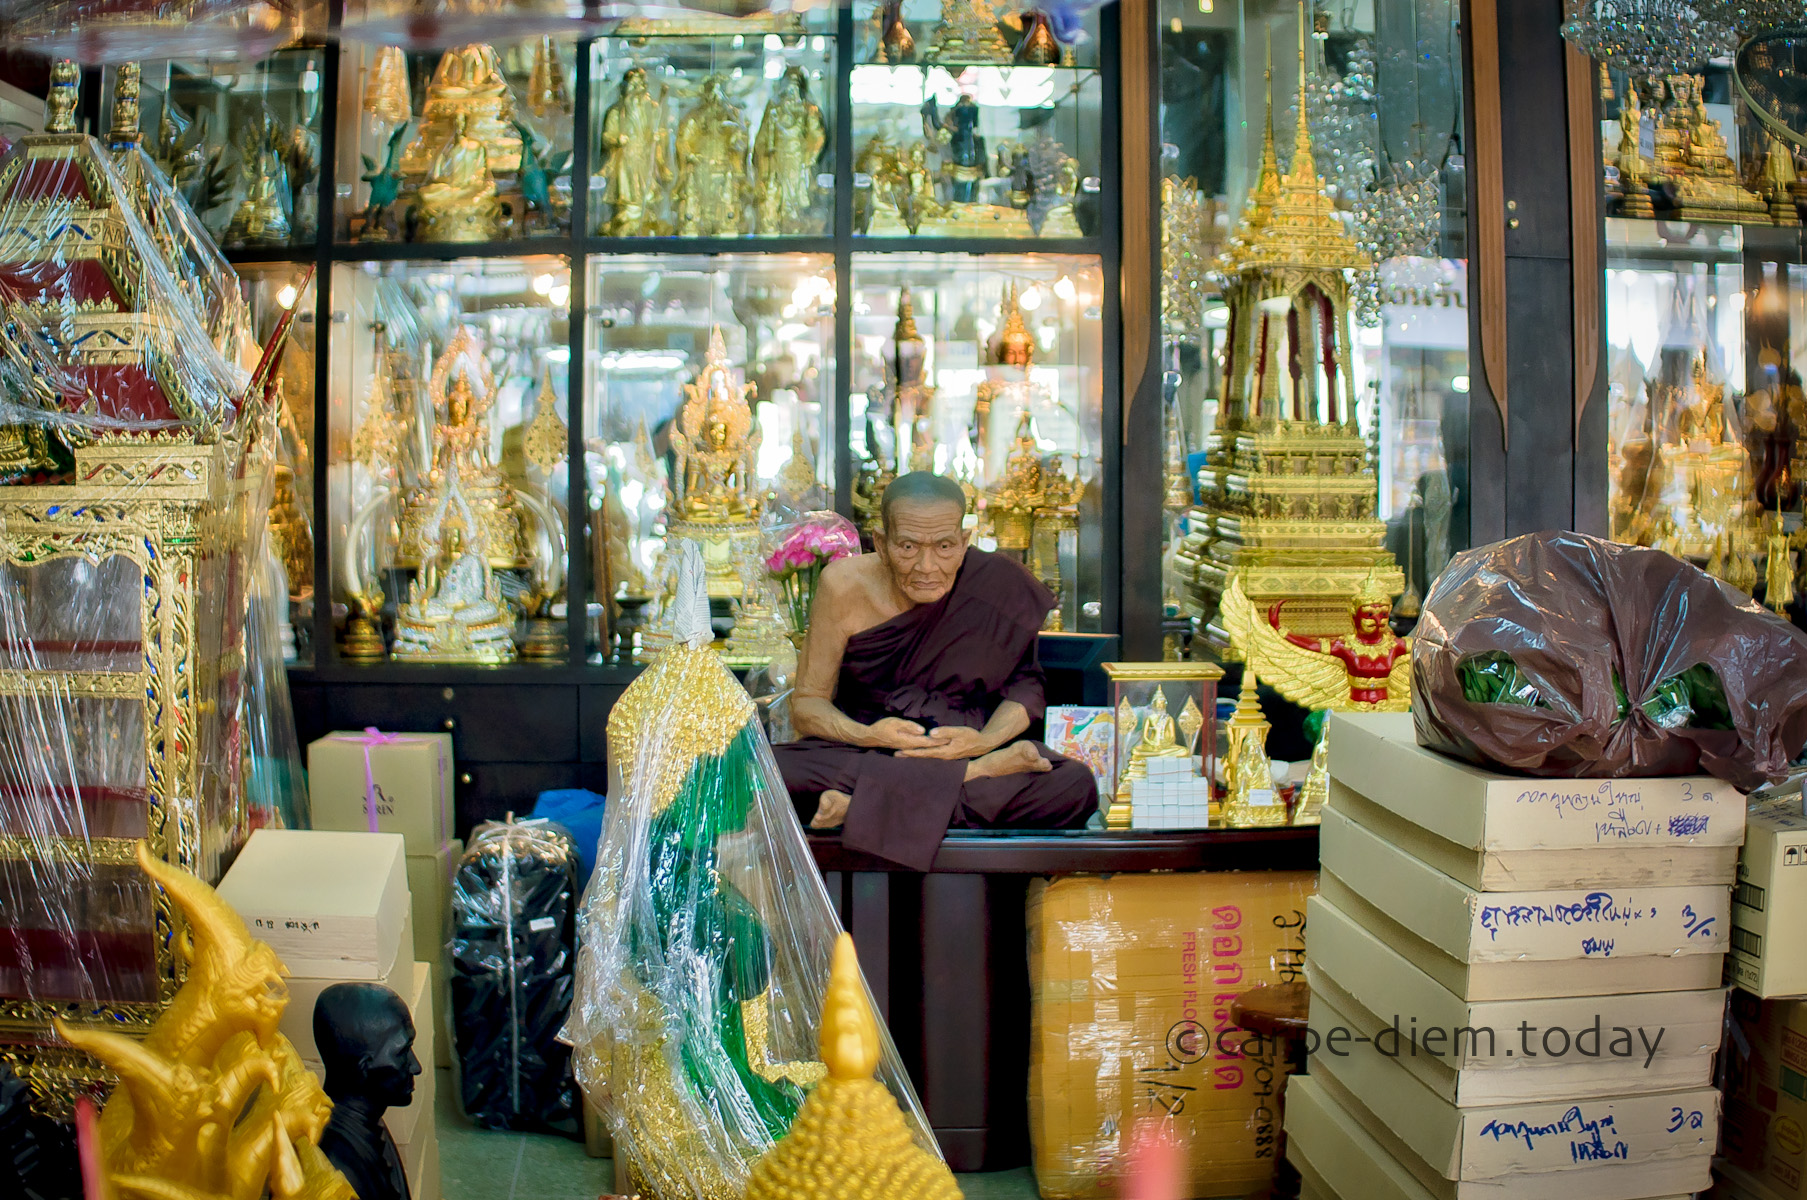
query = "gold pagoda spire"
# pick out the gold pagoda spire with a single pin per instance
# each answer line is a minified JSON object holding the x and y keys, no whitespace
{"x":1304,"y":166}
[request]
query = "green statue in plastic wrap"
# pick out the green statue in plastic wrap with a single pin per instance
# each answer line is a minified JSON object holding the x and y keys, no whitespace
{"x":706,"y":933}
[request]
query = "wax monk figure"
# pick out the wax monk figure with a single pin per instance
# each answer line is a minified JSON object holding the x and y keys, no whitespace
{"x":917,"y":682}
{"x":366,"y":1041}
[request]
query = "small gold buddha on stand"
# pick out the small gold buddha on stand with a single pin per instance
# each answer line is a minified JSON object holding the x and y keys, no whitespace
{"x":454,"y":611}
{"x":1154,"y":739}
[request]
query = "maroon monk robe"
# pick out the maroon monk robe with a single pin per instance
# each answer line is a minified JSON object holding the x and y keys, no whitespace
{"x":952,"y":662}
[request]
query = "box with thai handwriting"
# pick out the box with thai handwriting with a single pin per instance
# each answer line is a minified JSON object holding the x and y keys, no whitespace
{"x":1489,"y":945}
{"x":1339,"y":1159}
{"x":1497,"y":832}
{"x":332,"y":905}
{"x":400,"y":782}
{"x":1624,"y":1146}
{"x":1477,"y":1059}
{"x":1131,"y":979}
{"x":1769,"y":905}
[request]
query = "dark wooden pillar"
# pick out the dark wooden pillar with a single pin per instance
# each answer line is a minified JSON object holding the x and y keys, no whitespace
{"x":1140,"y":478}
{"x":1533,"y":456}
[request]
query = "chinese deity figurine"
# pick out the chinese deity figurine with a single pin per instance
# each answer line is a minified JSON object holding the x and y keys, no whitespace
{"x":458,"y":201}
{"x":791,"y":136}
{"x":710,"y":195}
{"x":634,"y":163}
{"x":468,"y":84}
{"x":1369,"y":670}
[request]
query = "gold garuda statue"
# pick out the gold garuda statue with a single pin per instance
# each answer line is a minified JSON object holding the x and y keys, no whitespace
{"x":1365,"y":668}
{"x":1287,"y":495}
{"x":213,"y":1103}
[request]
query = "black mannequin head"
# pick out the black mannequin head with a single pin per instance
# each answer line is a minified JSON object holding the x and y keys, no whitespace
{"x":366,"y":1043}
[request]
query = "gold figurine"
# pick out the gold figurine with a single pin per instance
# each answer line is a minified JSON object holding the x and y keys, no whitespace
{"x":1248,"y":772}
{"x":468,"y":83}
{"x":633,"y":158}
{"x":968,"y":33}
{"x":709,"y":198}
{"x":213,"y":1103}
{"x":261,"y":218}
{"x":791,"y":136}
{"x":458,"y":201}
{"x":386,"y":88}
{"x":547,"y":89}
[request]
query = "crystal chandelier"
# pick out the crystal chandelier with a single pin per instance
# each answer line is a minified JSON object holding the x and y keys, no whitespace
{"x":1648,"y":37}
{"x":1749,"y":17}
{"x":1400,"y":217}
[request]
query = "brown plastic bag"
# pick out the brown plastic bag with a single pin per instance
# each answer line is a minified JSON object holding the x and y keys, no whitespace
{"x":1575,"y":614}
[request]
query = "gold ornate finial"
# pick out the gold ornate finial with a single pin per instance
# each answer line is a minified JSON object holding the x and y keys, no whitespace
{"x":386,"y":88}
{"x":126,"y":85}
{"x":65,"y":93}
{"x":849,"y":1139}
{"x":548,"y":437}
{"x":547,"y":89}
{"x":1304,"y":165}
{"x":1373,"y":591}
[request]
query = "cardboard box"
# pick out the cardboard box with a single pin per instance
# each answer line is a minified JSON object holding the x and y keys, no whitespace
{"x":1626,"y":1147}
{"x":1765,"y":1068}
{"x":1477,"y":826}
{"x":304,"y":993}
{"x":421,"y":1165}
{"x":1372,"y":984}
{"x":1131,"y":978}
{"x":1769,"y":905}
{"x":412,"y":775}
{"x":1572,"y":942}
{"x":1338,"y":1158}
{"x":332,"y":905}
{"x":430,"y":895}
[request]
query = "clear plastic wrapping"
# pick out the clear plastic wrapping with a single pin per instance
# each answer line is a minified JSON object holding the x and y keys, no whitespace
{"x":514,"y":906}
{"x":706,"y":933}
{"x":134,"y":460}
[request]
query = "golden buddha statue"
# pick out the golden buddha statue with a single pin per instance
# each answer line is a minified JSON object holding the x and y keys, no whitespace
{"x":462,"y":388}
{"x":1018,"y":492}
{"x":458,"y":201}
{"x":1634,"y":169}
{"x":1252,"y":801}
{"x":1706,"y":184}
{"x":1314,"y":793}
{"x":791,"y":136}
{"x":454,"y":611}
{"x":968,"y":33}
{"x":467,"y":84}
{"x":214,"y":1102}
{"x":709,"y":197}
{"x":1779,"y":182}
{"x":634,"y":163}
{"x":262,"y":217}
{"x":849,"y":1140}
{"x":1155,"y":737}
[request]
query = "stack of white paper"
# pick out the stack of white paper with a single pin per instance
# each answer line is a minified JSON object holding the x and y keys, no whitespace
{"x":1515,"y":982}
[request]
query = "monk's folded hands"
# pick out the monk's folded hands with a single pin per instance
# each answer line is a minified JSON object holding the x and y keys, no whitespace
{"x":953,"y":741}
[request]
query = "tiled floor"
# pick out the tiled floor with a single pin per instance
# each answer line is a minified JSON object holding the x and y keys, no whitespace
{"x":478,"y":1164}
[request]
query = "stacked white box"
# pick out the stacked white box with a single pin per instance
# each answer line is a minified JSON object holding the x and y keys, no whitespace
{"x":1515,"y":982}
{"x":1174,"y":796}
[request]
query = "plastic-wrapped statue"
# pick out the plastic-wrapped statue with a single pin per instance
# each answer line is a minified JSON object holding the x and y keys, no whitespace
{"x":791,"y":136}
{"x":707,"y":937}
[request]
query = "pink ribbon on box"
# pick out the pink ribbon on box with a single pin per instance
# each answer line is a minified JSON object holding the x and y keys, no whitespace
{"x":372,"y":736}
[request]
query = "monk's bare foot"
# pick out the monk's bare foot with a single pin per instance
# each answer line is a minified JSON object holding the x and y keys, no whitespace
{"x":832,"y":811}
{"x":1018,"y":758}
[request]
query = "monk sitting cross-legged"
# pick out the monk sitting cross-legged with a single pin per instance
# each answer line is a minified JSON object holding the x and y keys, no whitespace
{"x":917,"y":682}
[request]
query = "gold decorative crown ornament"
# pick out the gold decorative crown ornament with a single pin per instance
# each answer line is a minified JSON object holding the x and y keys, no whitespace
{"x":849,"y":1140}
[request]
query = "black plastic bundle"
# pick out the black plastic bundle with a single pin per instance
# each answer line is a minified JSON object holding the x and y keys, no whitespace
{"x":514,"y":905}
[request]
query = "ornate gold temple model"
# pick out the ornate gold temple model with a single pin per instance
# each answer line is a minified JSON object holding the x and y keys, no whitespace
{"x":1673,"y":154}
{"x":129,"y":542}
{"x":1288,"y":494}
{"x":471,"y":166}
{"x":462,"y":529}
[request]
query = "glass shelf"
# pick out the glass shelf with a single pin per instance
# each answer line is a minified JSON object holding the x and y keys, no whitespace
{"x":651,"y":324}
{"x":507,"y":175}
{"x":446,"y":476}
{"x":713,"y":136}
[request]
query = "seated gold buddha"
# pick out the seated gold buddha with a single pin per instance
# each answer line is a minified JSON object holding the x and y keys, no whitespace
{"x":454,"y":609}
{"x":458,"y":201}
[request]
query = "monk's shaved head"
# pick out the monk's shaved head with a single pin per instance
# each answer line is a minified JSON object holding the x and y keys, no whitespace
{"x":921,"y":488}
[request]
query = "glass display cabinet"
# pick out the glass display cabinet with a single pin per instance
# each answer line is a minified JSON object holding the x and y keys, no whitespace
{"x":241,"y":142}
{"x":1314,"y":320}
{"x":1705,"y":325}
{"x":498,"y":418}
{"x":714,"y":128}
